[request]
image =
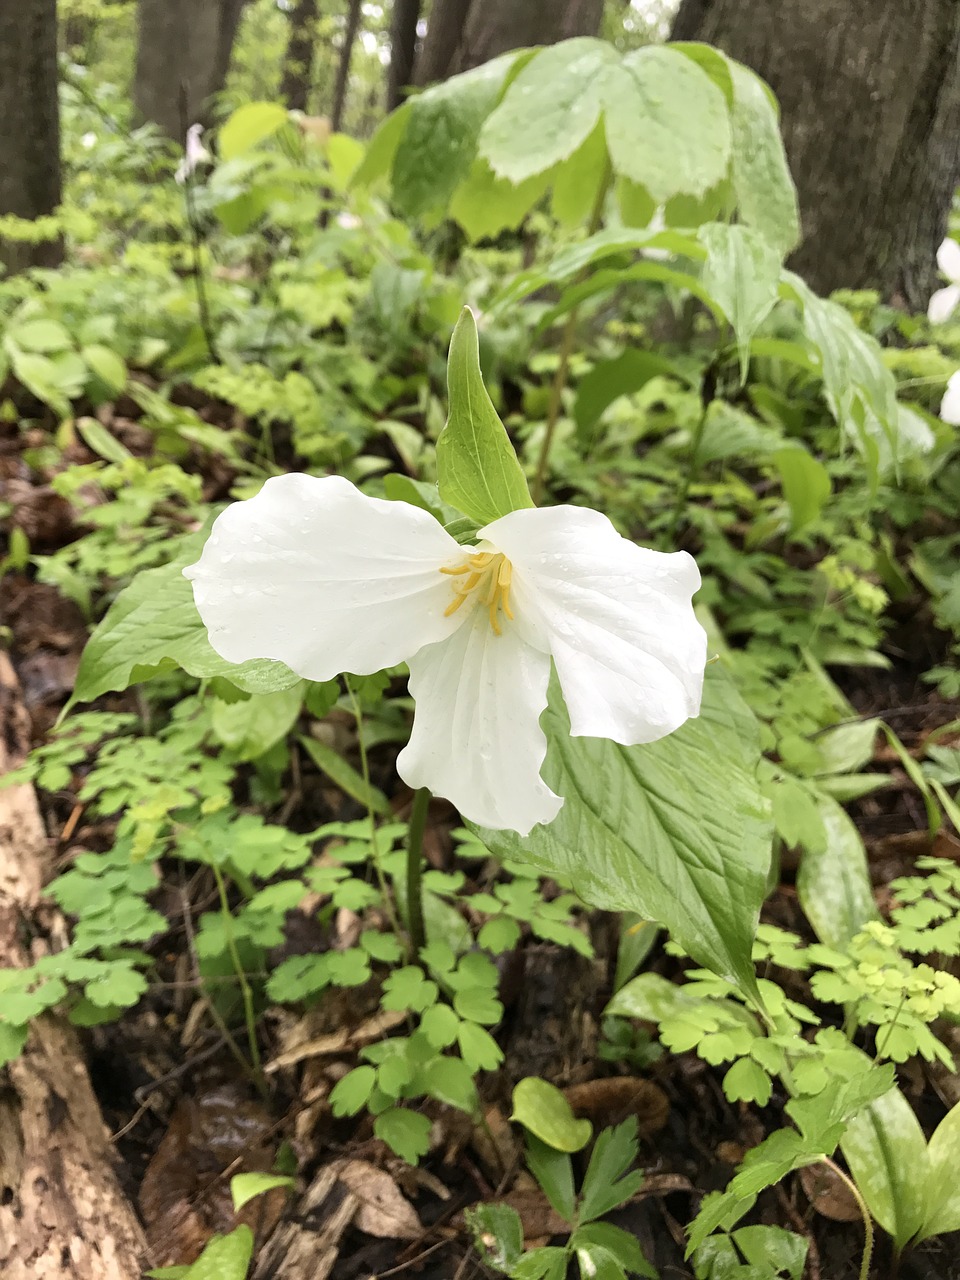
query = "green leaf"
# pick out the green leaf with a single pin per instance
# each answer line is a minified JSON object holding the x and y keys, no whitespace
{"x":478,"y":1047}
{"x":601,"y":1241}
{"x":405,"y":1132}
{"x":12,"y":1040}
{"x":382,"y":148}
{"x":774,"y":1249}
{"x":553,"y":1170}
{"x":607,"y":1184}
{"x":120,"y":986}
{"x":96,"y":437}
{"x":833,"y":881}
{"x":676,"y":831}
{"x":610,"y":379}
{"x":152,"y":626}
{"x":543,"y":1110}
{"x":485,"y":205}
{"x":351,"y":1092}
{"x":106,"y":365}
{"x":747,"y":1082}
{"x":251,"y":726}
{"x":346,"y":777}
{"x":498,"y":1231}
{"x":943,"y":1188}
{"x":886,"y":1151}
{"x":478,"y":1004}
{"x":247,"y":1186}
{"x":806,"y":485}
{"x":249,"y":125}
{"x":450,"y":1080}
{"x":224,"y":1258}
{"x":42,"y":336}
{"x":766,"y":196}
{"x":742,"y":273}
{"x":477,"y":468}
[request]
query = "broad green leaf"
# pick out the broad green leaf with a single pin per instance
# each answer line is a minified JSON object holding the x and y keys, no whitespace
{"x":96,"y":437}
{"x":676,"y":831}
{"x":580,"y":182}
{"x":499,"y":1231}
{"x":806,"y":485}
{"x":405,"y":1132}
{"x":378,"y":159}
{"x":12,"y":1040}
{"x":833,"y":882}
{"x":886,"y":1152}
{"x":485,"y":205}
{"x":742,"y":273}
{"x":746,"y":1081}
{"x":248,"y":125}
{"x":42,"y":336}
{"x":106,"y":365}
{"x":543,"y":1110}
{"x":251,"y":726}
{"x":224,"y":1258}
{"x":153,"y":626}
{"x":477,"y":468}
{"x":346,"y":777}
{"x":247,"y":1186}
{"x":766,"y":196}
{"x":773,"y":1248}
{"x":610,"y":379}
{"x":943,"y":1186}
{"x":609,"y":1251}
{"x":553,"y":1170}
{"x":40,"y":375}
{"x":439,"y":143}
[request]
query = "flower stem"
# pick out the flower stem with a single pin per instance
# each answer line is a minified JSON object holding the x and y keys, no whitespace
{"x":864,"y":1213}
{"x":418,"y":821}
{"x":559,"y":384}
{"x":245,"y":989}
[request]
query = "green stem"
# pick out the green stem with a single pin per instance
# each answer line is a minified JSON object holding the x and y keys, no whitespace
{"x":559,"y":384}
{"x":864,"y":1213}
{"x":688,"y":478}
{"x":418,"y":821}
{"x":246,"y":990}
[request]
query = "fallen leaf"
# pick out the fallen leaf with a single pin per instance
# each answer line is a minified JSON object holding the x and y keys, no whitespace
{"x":382,"y":1211}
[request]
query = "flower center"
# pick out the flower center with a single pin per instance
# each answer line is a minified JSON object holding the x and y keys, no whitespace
{"x":484,"y":578}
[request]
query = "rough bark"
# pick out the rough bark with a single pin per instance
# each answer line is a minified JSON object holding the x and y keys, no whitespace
{"x":62,"y":1213}
{"x":403,"y":46}
{"x":30,"y":128}
{"x":298,"y":60}
{"x":343,"y":66}
{"x":464,"y":33}
{"x":870,"y":96}
{"x":183,"y":55}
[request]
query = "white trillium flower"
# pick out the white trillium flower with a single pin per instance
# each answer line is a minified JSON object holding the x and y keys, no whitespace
{"x":950,"y":404}
{"x":317,"y":575}
{"x":195,"y":154}
{"x":945,"y":301}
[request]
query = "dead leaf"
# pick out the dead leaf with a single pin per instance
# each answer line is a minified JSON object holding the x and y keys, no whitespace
{"x":829,"y":1194}
{"x":382,"y":1211}
{"x":610,"y":1101}
{"x":538,"y":1216}
{"x":338,"y":1041}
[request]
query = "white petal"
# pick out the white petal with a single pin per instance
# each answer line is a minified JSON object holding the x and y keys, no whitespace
{"x":316,"y":574}
{"x":476,"y":732}
{"x":950,"y":404}
{"x":943,"y":303}
{"x":948,"y":260}
{"x":616,"y":617}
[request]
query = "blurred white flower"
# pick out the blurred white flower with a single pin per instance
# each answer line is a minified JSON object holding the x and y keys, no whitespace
{"x":950,"y":404}
{"x":945,"y":301}
{"x":88,"y":140}
{"x":195,"y":153}
{"x":349,"y":221}
{"x":315,"y":574}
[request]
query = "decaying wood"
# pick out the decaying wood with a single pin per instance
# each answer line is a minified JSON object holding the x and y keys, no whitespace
{"x":63,"y":1215}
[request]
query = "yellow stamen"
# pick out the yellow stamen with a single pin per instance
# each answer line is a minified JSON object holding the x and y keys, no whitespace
{"x":486,"y":576}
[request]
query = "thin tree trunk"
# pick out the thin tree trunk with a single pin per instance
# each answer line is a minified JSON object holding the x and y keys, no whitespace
{"x":464,"y":33}
{"x":30,"y":129}
{"x":183,"y":55}
{"x":343,"y":67}
{"x":870,"y":96}
{"x":403,"y":47}
{"x":298,"y":60}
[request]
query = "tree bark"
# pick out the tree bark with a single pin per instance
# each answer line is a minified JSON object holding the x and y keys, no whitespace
{"x":870,"y":96}
{"x":403,"y":47}
{"x":183,"y":55}
{"x":30,"y":130}
{"x":343,"y":67}
{"x":464,"y":33}
{"x":298,"y":60}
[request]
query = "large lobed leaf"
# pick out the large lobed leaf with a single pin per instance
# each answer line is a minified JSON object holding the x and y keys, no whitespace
{"x":676,"y":831}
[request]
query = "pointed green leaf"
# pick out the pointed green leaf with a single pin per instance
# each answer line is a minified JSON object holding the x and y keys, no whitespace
{"x":806,"y":485}
{"x":477,"y":468}
{"x":224,"y":1258}
{"x":943,"y":1188}
{"x":742,"y":273}
{"x":766,"y":196}
{"x":886,"y":1151}
{"x":833,"y":882}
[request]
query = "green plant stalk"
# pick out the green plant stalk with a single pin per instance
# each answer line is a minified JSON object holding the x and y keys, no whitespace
{"x":245,"y":989}
{"x":567,"y":341}
{"x":688,"y":478}
{"x":864,"y":1213}
{"x":418,"y":821}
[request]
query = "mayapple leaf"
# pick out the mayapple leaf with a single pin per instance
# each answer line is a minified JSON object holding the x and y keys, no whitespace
{"x":477,"y":468}
{"x":676,"y":830}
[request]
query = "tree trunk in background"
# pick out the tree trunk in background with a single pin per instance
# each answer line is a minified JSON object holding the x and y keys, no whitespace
{"x":403,"y":46}
{"x":870,"y":95}
{"x":183,"y":55}
{"x":298,"y":60}
{"x":343,"y":67}
{"x":464,"y":33}
{"x":30,"y":133}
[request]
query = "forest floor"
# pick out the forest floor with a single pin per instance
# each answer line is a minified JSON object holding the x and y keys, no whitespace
{"x":183,"y":1117}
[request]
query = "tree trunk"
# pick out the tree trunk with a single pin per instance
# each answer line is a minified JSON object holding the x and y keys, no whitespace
{"x":298,"y":60}
{"x":183,"y":55}
{"x":403,"y":47}
{"x":870,"y":95}
{"x":30,"y":132}
{"x":343,"y":67}
{"x":464,"y":33}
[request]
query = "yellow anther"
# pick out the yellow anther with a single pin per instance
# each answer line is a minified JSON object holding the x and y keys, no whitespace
{"x":485,"y":576}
